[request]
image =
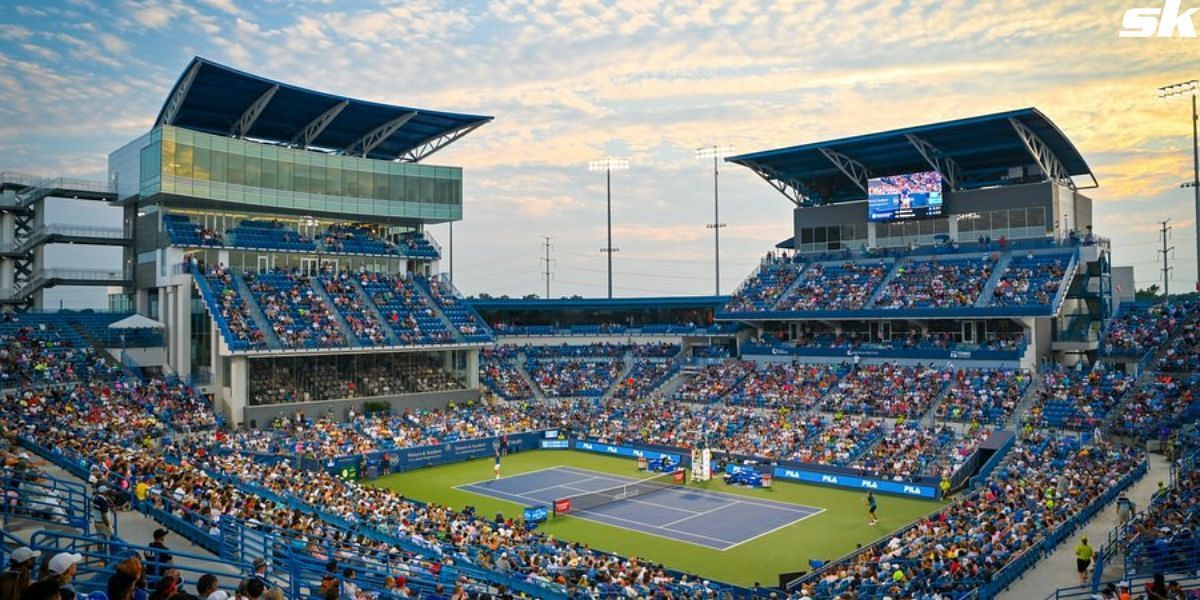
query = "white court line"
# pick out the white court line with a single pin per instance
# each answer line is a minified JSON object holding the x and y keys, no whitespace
{"x":700,"y":514}
{"x":561,"y":485}
{"x":649,"y":526}
{"x":513,"y":476}
{"x":770,"y":531}
{"x":750,"y":500}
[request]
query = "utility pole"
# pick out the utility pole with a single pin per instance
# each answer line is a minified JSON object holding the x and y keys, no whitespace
{"x":1166,"y":270}
{"x":451,"y":252}
{"x":547,"y":262}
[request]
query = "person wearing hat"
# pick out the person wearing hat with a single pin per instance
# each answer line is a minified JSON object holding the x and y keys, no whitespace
{"x":16,"y":578}
{"x":260,"y":572}
{"x":61,"y":570}
{"x":161,"y":560}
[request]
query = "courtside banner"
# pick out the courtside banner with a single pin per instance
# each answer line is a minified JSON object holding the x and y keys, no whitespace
{"x":626,"y":451}
{"x":405,"y":459}
{"x":859,"y":483}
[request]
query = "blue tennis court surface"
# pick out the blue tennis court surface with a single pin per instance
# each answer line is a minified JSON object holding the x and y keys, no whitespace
{"x":712,"y":519}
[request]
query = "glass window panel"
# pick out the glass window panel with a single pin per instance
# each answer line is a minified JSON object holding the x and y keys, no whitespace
{"x":941,"y":226}
{"x":318,"y":175}
{"x":202,"y":167}
{"x":999,"y":219}
{"x":333,"y":186}
{"x":426,"y":194}
{"x":396,"y":186}
{"x":835,"y":233}
{"x":350,"y":183}
{"x":253,"y":171}
{"x":820,"y":235}
{"x":236,"y":169}
{"x":382,"y":186}
{"x":287,"y":175}
{"x":366,"y":187}
{"x":302,"y":179}
{"x":270,"y":174}
{"x":1016,"y":218}
{"x":1036,"y":216}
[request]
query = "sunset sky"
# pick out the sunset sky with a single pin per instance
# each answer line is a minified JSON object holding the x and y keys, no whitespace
{"x":644,"y":79}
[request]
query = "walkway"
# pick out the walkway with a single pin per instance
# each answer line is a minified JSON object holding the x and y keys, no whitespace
{"x":1058,"y":569}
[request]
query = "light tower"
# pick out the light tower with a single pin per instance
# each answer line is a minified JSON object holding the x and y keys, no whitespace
{"x":1190,"y":88}
{"x":608,"y":165}
{"x":716,"y":153}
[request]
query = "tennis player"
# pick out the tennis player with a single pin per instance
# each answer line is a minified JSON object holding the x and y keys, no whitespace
{"x":496,"y":465}
{"x":871,"y":506}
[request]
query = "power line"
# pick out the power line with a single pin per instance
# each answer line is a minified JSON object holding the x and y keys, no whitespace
{"x":1166,"y":270}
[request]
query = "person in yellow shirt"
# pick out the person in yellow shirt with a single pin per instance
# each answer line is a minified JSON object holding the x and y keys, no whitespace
{"x":141,"y":490}
{"x":1083,"y":559}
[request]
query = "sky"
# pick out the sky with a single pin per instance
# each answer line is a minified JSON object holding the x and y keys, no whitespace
{"x":648,"y":80}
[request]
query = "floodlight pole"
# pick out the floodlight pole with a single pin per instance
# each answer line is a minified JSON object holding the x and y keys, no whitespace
{"x":608,"y":249}
{"x":717,"y":153}
{"x":1191,"y":88}
{"x":608,"y":165}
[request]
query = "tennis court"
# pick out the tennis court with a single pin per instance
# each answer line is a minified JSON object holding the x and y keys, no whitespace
{"x":706,"y":518}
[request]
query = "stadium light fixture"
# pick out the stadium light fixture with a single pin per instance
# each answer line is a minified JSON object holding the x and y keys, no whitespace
{"x":608,"y":165}
{"x":1175,"y":90}
{"x":716,"y":153}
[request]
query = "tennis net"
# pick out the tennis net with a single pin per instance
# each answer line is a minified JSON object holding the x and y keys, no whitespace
{"x":626,"y":491}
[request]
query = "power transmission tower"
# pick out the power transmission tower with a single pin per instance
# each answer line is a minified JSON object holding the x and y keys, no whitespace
{"x":547,"y":262}
{"x":1165,"y":252}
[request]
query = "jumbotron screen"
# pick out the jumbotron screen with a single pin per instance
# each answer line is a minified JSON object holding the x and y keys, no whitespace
{"x":902,"y":197}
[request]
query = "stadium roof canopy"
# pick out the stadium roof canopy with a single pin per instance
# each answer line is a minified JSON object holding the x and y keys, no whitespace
{"x":217,"y":99}
{"x":1018,"y":146}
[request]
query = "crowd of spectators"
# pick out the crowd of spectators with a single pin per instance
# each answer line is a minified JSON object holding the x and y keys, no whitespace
{"x":983,"y":395}
{"x":44,"y":354}
{"x":714,"y":381}
{"x":644,"y":376}
{"x":1047,"y":481}
{"x":905,"y":451}
{"x":1030,"y":280}
{"x":317,"y":380}
{"x":1140,"y":328}
{"x":798,"y":386}
{"x":887,"y":390}
{"x":232,"y":308}
{"x":834,"y":286}
{"x":1156,"y":409}
{"x":500,"y":375}
{"x":350,"y":302}
{"x":405,"y":309}
{"x":1079,"y":400}
{"x":936,"y":284}
{"x":1183,"y":355}
{"x":566,"y":378}
{"x":774,"y":275}
{"x":299,"y":317}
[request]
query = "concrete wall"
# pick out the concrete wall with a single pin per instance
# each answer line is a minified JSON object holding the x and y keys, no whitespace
{"x":1124,"y":285}
{"x":261,"y":416}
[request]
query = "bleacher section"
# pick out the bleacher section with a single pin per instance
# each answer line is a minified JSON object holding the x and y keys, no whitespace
{"x":768,"y":282}
{"x":1078,"y":400}
{"x":268,"y":235}
{"x":936,"y":283}
{"x":887,"y":390}
{"x":1140,"y":327}
{"x":377,"y":310}
{"x":835,"y":286}
{"x":464,"y":318}
{"x":1031,"y":279}
{"x":983,"y":396}
{"x":277,"y":236}
{"x":299,"y":318}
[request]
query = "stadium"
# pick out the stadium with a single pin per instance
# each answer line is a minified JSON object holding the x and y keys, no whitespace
{"x":931,"y":389}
